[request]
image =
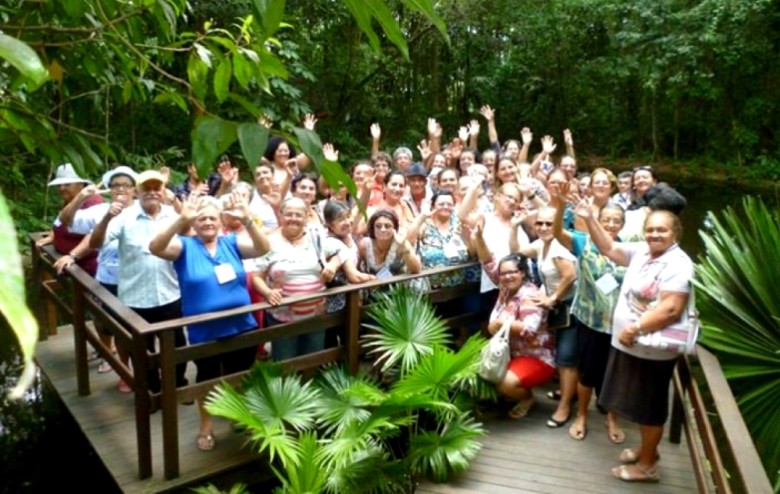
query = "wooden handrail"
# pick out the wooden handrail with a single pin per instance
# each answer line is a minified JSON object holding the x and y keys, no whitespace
{"x":690,"y":413}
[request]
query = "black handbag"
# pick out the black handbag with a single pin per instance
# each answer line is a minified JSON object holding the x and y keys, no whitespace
{"x":559,"y":317}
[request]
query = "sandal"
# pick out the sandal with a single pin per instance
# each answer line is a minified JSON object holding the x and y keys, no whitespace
{"x":630,"y":456}
{"x":554,"y":424}
{"x":522,"y":408}
{"x":636,"y":473}
{"x":617,"y":435}
{"x":578,"y":431}
{"x":104,"y":367}
{"x":205,"y":442}
{"x":123,"y":387}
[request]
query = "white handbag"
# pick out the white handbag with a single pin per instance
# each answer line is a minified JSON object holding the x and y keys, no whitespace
{"x":677,"y":338}
{"x":494,"y":360}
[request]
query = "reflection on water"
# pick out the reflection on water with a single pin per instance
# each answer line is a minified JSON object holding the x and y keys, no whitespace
{"x":38,"y":438}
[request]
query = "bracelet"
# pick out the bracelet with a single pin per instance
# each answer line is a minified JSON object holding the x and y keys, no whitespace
{"x":639,"y":331}
{"x":247,"y":221}
{"x":73,"y":256}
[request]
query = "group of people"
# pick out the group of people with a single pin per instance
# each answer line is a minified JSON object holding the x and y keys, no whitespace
{"x":578,"y":265}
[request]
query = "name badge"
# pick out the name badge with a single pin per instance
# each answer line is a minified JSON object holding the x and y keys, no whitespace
{"x":225,"y":273}
{"x":607,"y":284}
{"x":384,"y":273}
{"x":451,"y":250}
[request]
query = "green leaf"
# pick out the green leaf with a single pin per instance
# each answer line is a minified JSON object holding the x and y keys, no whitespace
{"x":173,"y":98}
{"x":363,"y":19}
{"x":242,"y":70}
{"x":222,"y":79}
{"x":13,"y":304}
{"x":26,"y":61}
{"x":253,"y":139}
{"x":211,"y":137}
{"x":271,"y":15}
{"x":426,"y":8}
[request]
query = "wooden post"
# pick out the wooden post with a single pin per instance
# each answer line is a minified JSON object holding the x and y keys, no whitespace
{"x":681,"y":385}
{"x":143,"y":431}
{"x":44,"y":327}
{"x":170,"y":423}
{"x":80,"y":339}
{"x":353,"y":331}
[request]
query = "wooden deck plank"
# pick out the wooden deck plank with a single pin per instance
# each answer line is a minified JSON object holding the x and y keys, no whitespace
{"x":107,"y":419}
{"x":526,"y":456}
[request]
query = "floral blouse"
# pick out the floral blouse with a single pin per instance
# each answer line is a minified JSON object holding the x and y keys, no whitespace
{"x":437,"y":250}
{"x":535,"y":340}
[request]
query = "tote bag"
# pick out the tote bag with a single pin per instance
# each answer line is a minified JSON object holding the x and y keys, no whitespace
{"x":494,"y":361}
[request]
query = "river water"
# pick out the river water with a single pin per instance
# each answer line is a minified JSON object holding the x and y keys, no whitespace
{"x":39,"y":440}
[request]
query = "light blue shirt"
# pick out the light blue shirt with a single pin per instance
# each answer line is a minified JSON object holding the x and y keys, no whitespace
{"x":145,"y":280}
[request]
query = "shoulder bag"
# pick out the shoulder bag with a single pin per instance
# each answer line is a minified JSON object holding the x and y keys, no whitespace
{"x":679,"y":338}
{"x":494,"y":360}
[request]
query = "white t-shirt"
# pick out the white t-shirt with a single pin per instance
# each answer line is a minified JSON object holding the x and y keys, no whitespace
{"x":496,"y":237}
{"x":548,"y":271}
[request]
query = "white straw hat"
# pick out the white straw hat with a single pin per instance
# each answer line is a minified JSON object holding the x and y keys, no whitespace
{"x":67,"y":175}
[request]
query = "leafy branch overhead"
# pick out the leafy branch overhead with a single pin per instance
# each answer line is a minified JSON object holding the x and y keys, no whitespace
{"x":103,"y":56}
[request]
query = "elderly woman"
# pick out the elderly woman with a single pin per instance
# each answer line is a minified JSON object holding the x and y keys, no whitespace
{"x":304,"y":187}
{"x":653,"y":295}
{"x":385,"y":251}
{"x":594,"y":302}
{"x":532,"y":345}
{"x":211,"y":278}
{"x":292,"y":267}
{"x":558,"y":272}
{"x":281,"y":155}
{"x":395,"y":187}
{"x":267,"y":196}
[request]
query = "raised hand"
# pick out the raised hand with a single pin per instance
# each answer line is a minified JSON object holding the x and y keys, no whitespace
{"x":309,"y":121}
{"x":526,"y":135}
{"x":473,"y":127}
{"x":330,"y":152}
{"x":434,"y":129}
{"x":291,"y":167}
{"x":237,"y":206}
{"x":376,"y":131}
{"x":567,"y":139}
{"x":548,"y":145}
{"x":488,"y":113}
{"x":189,"y":208}
{"x":463,"y":134}
{"x":89,"y":191}
{"x":425,"y":149}
{"x":228,"y":172}
{"x":583,"y":209}
{"x":517,"y":219}
{"x":479,"y":226}
{"x":166,"y":173}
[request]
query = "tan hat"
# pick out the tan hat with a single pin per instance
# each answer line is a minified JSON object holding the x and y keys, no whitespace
{"x":150,"y":176}
{"x":67,"y":175}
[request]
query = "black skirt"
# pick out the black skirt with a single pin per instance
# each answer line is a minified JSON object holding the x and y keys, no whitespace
{"x":637,"y":388}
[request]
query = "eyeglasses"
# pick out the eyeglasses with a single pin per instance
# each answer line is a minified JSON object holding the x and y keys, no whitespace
{"x":382,"y":226}
{"x":643,"y":168}
{"x":120,"y":186}
{"x":508,"y":273}
{"x":544,"y":223}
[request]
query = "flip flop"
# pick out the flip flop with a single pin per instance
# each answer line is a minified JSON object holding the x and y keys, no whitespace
{"x":123,"y":387}
{"x":616,"y":435}
{"x":522,"y":408}
{"x":104,"y":367}
{"x":205,"y":442}
{"x":578,"y":433}
{"x":636,"y":473}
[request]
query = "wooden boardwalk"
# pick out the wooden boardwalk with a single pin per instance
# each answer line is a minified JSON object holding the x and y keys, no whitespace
{"x":525,"y":456}
{"x":107,"y":419}
{"x":517,"y":456}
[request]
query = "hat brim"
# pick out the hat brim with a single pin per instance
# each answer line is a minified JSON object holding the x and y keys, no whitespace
{"x":66,"y":181}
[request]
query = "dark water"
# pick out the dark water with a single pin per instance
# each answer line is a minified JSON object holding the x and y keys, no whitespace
{"x":43,"y":450}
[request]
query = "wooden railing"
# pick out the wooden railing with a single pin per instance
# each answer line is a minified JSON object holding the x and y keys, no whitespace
{"x":691,"y":412}
{"x":132,"y":332}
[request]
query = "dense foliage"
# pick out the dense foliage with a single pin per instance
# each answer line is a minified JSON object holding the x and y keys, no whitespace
{"x":740,"y":316}
{"x":343,"y":433}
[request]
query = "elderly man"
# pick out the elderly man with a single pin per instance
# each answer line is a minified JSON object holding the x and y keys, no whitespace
{"x":147,"y":284}
{"x":69,"y":184}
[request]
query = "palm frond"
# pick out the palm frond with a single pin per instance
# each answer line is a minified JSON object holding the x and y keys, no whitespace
{"x":310,"y":474}
{"x":737,"y":296}
{"x":406,"y":329}
{"x":369,"y":470}
{"x":437,"y":454}
{"x":345,"y":398}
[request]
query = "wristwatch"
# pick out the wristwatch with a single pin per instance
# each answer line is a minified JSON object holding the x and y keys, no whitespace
{"x":73,"y":256}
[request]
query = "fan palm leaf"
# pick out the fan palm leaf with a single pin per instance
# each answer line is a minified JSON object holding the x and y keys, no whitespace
{"x":448,"y":450}
{"x":406,"y":329}
{"x":369,"y":469}
{"x":737,"y":296}
{"x":345,"y":399}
